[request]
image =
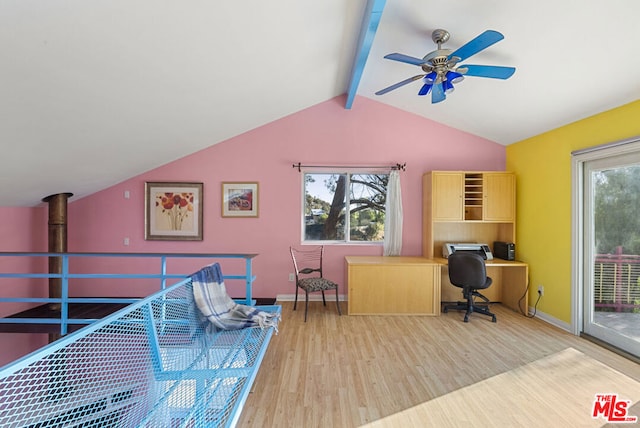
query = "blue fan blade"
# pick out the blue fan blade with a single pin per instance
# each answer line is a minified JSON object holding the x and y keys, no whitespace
{"x":405,"y":58}
{"x":481,"y":42}
{"x":425,"y":89}
{"x":437,"y":94}
{"x":397,"y":85}
{"x":493,"y":71}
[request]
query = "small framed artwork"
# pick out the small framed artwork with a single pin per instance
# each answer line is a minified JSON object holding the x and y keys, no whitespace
{"x":173,"y":211}
{"x":240,"y":199}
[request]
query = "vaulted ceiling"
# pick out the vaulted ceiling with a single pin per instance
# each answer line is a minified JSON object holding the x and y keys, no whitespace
{"x":95,"y":92}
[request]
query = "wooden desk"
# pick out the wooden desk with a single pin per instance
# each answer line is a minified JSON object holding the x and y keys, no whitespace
{"x":510,"y":281}
{"x":393,"y":285}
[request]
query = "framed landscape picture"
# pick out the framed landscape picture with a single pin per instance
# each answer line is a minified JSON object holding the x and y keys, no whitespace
{"x":240,"y":199}
{"x":173,"y":211}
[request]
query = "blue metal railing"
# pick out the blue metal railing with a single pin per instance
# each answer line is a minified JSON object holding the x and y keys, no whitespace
{"x":154,"y":363}
{"x":66,"y":274}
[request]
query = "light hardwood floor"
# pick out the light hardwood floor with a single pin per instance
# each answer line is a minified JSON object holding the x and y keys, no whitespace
{"x":346,"y":371}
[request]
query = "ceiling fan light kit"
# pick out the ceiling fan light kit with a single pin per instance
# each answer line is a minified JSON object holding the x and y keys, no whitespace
{"x":441,"y":66}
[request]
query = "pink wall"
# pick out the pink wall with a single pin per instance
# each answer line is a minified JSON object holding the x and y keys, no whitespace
{"x":369,"y":134}
{"x":21,"y":230}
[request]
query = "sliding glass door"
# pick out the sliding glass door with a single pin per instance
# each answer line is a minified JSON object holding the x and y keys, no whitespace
{"x":610,"y":256}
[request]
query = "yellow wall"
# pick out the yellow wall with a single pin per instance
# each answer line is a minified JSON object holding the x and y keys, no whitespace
{"x":543,"y":168}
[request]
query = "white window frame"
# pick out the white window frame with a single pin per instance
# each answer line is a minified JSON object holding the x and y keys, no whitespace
{"x":349,"y":173}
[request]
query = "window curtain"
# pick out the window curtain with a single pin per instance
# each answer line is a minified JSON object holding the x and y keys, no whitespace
{"x":393,"y":216}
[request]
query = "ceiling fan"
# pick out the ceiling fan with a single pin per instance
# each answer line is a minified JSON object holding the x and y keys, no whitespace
{"x":442,"y":69}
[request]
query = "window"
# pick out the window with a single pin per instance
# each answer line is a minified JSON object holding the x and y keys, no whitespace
{"x":327,"y":194}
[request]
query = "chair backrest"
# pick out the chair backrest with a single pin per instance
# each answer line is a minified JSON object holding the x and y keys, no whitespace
{"x":307,"y":261}
{"x":467,"y":270}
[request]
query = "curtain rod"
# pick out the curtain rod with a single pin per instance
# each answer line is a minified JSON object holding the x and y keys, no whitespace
{"x":398,"y":166}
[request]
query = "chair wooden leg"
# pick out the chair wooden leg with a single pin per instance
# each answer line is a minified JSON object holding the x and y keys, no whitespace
{"x":338,"y":303}
{"x":306,"y":304}
{"x":324,"y":302}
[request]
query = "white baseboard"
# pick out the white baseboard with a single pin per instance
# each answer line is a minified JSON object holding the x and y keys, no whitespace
{"x":551,"y":320}
{"x":331,"y":297}
{"x":315,"y":297}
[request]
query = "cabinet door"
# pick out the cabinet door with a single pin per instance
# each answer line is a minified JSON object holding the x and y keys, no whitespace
{"x":448,"y":201}
{"x":500,"y":197}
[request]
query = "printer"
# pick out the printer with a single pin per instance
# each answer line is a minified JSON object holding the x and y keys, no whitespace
{"x":471,"y":247}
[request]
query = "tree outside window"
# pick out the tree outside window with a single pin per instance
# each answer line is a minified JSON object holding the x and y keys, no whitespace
{"x":617,"y":204}
{"x":326,"y":197}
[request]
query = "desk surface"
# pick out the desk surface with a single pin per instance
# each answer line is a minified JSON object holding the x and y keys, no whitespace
{"x":391,"y":260}
{"x":407,"y":260}
{"x":494,"y":262}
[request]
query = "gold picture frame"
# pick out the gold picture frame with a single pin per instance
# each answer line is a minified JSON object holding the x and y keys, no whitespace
{"x":173,"y":211}
{"x":240,"y":199}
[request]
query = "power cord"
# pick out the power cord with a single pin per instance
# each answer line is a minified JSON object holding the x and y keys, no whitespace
{"x":535,"y":305}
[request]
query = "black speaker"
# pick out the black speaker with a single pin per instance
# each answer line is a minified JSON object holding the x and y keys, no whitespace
{"x":504,"y":250}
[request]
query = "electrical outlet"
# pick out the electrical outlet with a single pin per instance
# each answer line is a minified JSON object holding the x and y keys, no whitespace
{"x":292,"y":277}
{"x":541,"y":290}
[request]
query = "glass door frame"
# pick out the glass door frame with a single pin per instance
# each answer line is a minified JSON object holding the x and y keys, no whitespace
{"x":581,"y":273}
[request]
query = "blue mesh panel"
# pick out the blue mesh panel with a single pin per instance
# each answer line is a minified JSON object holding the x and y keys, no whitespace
{"x":152,"y":364}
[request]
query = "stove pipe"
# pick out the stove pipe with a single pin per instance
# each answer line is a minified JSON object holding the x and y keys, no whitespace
{"x":57,"y":241}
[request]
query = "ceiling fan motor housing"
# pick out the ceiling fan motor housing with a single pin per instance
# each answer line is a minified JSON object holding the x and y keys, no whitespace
{"x":437,"y":61}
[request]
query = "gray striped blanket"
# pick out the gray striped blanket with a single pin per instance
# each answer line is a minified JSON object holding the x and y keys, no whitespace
{"x":221,"y":310}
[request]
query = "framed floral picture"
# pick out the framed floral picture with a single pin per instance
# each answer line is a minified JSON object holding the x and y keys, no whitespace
{"x":173,"y":211}
{"x":240,"y":199}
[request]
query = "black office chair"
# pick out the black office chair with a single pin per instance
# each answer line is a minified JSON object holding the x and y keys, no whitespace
{"x":468,"y":271}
